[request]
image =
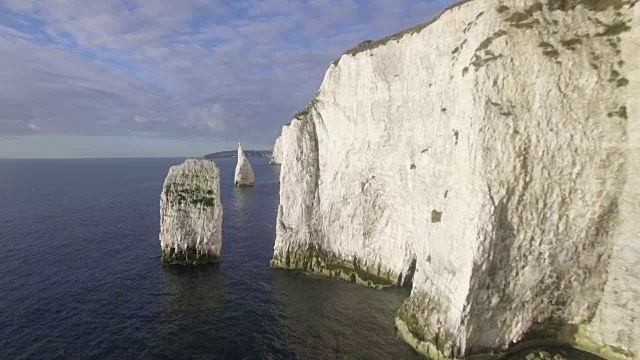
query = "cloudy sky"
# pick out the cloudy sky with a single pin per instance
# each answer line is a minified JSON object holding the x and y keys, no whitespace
{"x":100,"y":78}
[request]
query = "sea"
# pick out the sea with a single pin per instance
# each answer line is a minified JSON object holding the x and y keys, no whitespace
{"x":81,"y":276}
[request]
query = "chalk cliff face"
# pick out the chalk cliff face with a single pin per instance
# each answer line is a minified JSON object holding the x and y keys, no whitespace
{"x":244,"y":173}
{"x":276,"y":157}
{"x":491,"y":159}
{"x":191,"y":214}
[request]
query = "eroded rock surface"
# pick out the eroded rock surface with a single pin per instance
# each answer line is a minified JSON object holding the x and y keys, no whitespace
{"x":490,"y":159}
{"x":276,"y":156}
{"x":191,"y":214}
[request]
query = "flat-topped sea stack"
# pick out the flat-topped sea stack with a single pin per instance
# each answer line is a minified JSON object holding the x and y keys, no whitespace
{"x":244,"y":173}
{"x":489,"y":159}
{"x":191,"y":214}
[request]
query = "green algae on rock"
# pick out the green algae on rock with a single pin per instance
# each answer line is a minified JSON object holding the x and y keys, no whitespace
{"x":191,"y":214}
{"x":316,"y":260}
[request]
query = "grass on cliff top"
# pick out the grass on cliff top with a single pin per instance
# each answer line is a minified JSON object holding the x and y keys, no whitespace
{"x":304,"y":112}
{"x":562,"y":5}
{"x":591,"y":5}
{"x":372,"y":44}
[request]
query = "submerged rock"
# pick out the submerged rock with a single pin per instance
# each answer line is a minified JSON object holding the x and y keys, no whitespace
{"x":244,"y":173}
{"x":191,"y":214}
{"x":489,"y":159}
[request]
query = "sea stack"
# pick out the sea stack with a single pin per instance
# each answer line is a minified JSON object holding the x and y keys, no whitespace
{"x":489,"y":159}
{"x":244,"y":173}
{"x":191,"y":214}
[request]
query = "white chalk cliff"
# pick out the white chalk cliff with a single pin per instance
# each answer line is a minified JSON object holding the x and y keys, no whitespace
{"x":491,"y":160}
{"x":276,"y":156}
{"x":244,"y":173}
{"x":191,"y":214}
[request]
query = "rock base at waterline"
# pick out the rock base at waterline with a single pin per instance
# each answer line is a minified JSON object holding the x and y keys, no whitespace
{"x":318,"y":261}
{"x":189,"y":256}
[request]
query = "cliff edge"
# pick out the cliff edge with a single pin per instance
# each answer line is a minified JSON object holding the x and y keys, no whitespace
{"x":489,"y":159}
{"x":276,"y":156}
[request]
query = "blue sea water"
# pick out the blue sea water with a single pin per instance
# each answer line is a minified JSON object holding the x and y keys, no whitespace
{"x":81,"y":276}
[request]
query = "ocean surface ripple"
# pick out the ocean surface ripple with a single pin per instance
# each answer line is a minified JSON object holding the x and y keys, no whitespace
{"x":81,"y":277}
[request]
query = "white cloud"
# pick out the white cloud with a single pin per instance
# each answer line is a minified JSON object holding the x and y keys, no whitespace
{"x":178,"y":67}
{"x":19,"y":4}
{"x":68,"y":93}
{"x":140,"y":119}
{"x":205,"y":118}
{"x":34,"y":127}
{"x":6,"y":31}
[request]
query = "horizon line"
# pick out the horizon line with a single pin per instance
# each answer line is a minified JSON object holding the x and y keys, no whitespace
{"x":120,"y":157}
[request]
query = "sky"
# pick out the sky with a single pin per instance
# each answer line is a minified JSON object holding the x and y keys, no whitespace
{"x":128,"y":78}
